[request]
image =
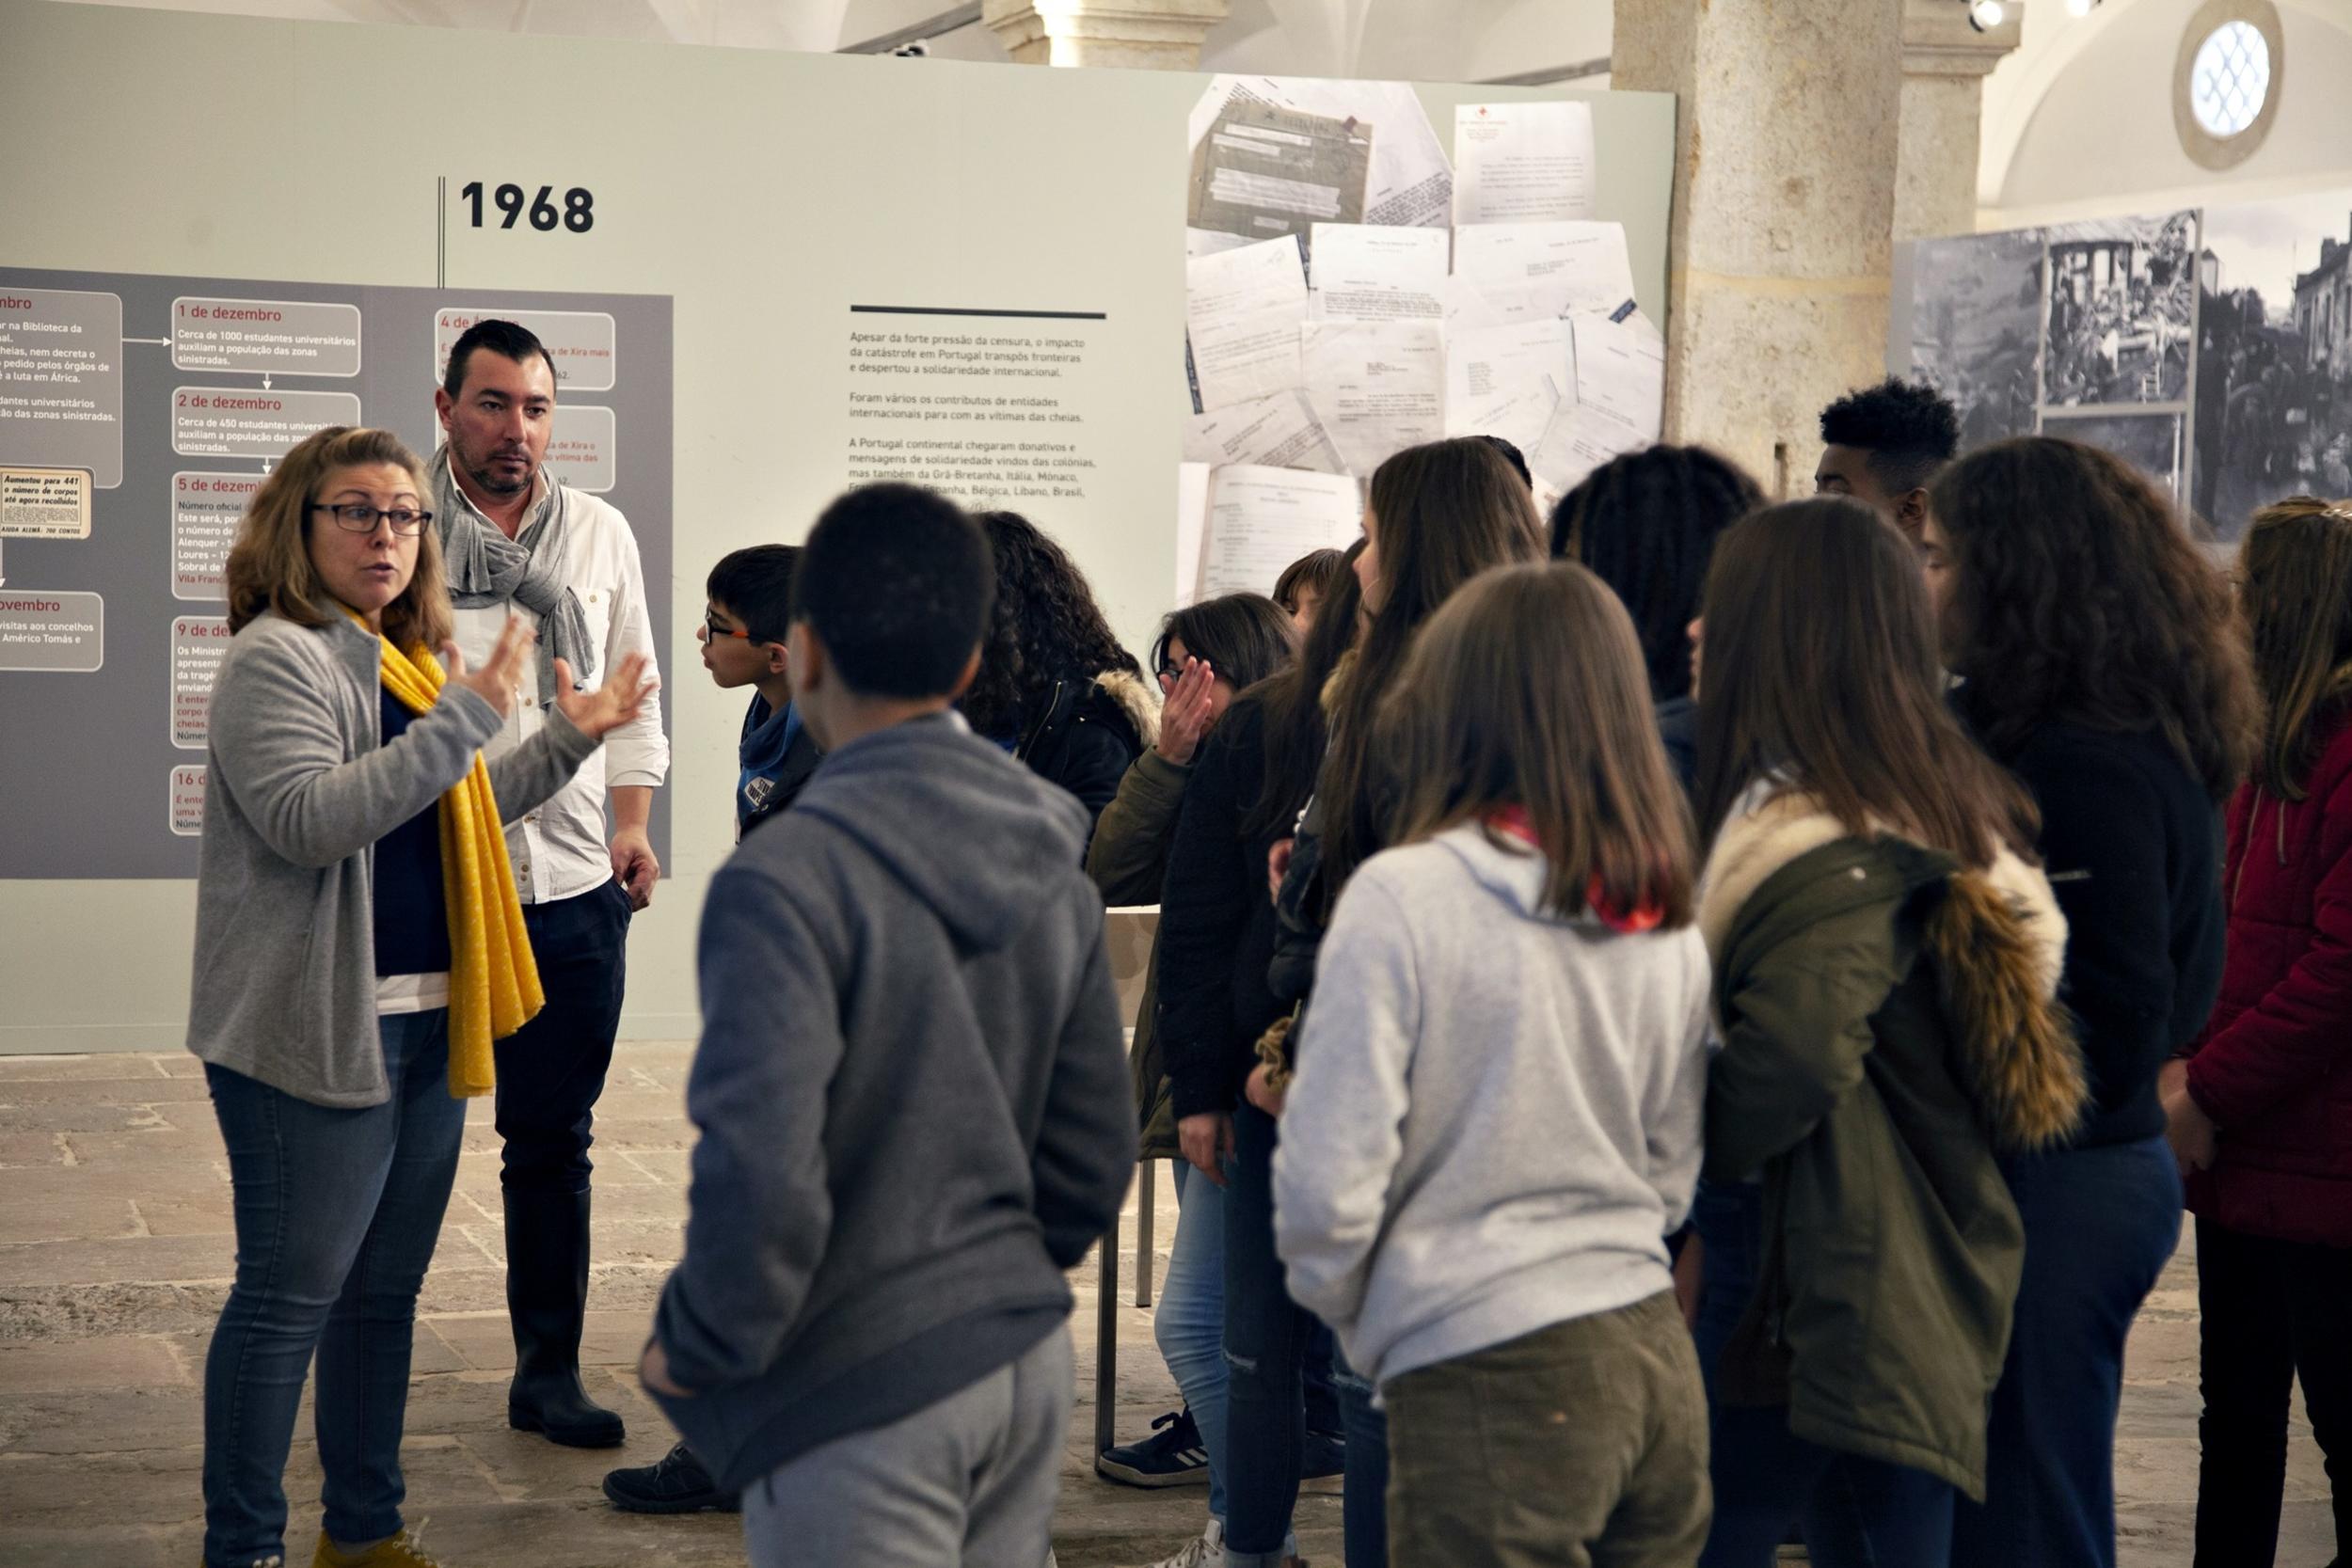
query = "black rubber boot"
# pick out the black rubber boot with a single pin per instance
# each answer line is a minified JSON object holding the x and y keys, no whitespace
{"x":547,"y":1296}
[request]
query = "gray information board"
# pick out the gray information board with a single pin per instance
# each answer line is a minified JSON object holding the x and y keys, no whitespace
{"x":137,"y":415}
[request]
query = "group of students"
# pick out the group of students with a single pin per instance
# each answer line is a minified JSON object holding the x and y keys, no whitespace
{"x":1825,"y":909}
{"x":1681,"y":1026}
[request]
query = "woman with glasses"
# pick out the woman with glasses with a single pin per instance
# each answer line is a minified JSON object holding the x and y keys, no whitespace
{"x":1206,"y":655}
{"x":358,"y":947}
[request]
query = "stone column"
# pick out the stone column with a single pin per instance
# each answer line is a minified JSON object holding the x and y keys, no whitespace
{"x":1784,"y":206}
{"x":1151,"y":35}
{"x":1945,"y":64}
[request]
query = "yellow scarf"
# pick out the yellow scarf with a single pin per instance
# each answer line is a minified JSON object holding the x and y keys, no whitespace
{"x":493,"y":980}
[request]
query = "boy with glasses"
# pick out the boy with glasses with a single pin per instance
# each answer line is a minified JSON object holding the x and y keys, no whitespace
{"x":750,"y":594}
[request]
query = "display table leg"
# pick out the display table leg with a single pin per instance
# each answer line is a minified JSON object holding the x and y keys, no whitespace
{"x":1107,"y":1337}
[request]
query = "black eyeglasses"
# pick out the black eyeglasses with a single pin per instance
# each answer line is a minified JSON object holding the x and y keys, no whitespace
{"x":355,"y":518}
{"x":710,"y":623}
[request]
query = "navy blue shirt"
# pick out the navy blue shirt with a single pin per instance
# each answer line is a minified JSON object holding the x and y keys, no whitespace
{"x":411,"y":909}
{"x":777,"y":754}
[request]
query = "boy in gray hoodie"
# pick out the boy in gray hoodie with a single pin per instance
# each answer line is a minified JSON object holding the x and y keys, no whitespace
{"x":912,"y":1089}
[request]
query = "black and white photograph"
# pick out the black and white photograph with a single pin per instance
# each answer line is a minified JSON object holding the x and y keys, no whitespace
{"x":2122,"y":310}
{"x":2152,"y":443}
{"x":1976,"y":328}
{"x":2274,"y":370}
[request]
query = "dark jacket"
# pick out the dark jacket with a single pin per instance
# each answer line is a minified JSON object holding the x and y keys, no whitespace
{"x":1217,"y":925}
{"x":1085,"y":737}
{"x":2133,"y":847}
{"x":913,"y":1098}
{"x":774,"y":759}
{"x":2274,"y":1067}
{"x":1679,"y":727}
{"x":1128,"y":861}
{"x":1888,"y":1026}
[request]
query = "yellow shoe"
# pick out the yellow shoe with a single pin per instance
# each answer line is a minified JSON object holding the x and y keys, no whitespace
{"x":401,"y":1551}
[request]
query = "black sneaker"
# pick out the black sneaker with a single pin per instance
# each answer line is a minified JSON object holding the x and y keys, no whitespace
{"x":1326,"y":1455}
{"x":1172,"y":1456}
{"x":675,"y":1483}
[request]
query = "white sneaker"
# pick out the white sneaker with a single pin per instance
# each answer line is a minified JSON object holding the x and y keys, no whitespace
{"x":1207,"y":1550}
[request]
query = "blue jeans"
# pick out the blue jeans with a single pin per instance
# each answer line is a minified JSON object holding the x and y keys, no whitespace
{"x":1729,"y":1220}
{"x":2100,"y":1225}
{"x":1266,"y":1338}
{"x":1765,"y":1478}
{"x":1364,"y":1505}
{"x":1856,"y":1512}
{"x":336,"y":1213}
{"x":1190,"y":1322}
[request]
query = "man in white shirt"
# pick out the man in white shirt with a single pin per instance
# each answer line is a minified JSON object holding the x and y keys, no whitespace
{"x":517,"y":542}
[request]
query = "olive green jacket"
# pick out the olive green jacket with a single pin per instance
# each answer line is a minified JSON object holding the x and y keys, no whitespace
{"x":1128,"y":860}
{"x":1889,"y":1026}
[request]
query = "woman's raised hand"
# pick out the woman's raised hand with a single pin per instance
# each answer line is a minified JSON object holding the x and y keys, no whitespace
{"x":1189,"y":712}
{"x":501,"y":672}
{"x":620,"y":699}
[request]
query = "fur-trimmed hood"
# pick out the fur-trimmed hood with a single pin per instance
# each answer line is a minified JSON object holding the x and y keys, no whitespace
{"x":1996,"y":937}
{"x":1135,"y":697}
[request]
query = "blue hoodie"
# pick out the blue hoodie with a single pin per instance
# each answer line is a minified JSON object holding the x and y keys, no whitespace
{"x":913,"y":1095}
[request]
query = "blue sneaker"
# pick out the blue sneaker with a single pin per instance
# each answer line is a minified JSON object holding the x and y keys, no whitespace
{"x":1173,"y":1455}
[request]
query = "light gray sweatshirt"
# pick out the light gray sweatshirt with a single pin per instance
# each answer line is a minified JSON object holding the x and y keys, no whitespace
{"x":1495,"y":1120}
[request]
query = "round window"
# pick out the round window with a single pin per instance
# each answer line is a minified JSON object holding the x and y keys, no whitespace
{"x":2230,"y":80}
{"x":2227,"y":79}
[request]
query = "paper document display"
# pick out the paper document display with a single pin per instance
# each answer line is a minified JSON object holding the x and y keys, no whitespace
{"x":1366,"y":272}
{"x":1280,"y":432}
{"x":1554,"y":267}
{"x":1579,"y":439}
{"x":1252,"y":277}
{"x":1506,"y":380}
{"x":1408,"y":181}
{"x":1242,"y":358}
{"x":1208,"y":241}
{"x":1192,"y":518}
{"x":1378,"y":386}
{"x":1523,"y":163}
{"x":1257,"y":520}
{"x":1265,"y":171}
{"x":1621,"y":371}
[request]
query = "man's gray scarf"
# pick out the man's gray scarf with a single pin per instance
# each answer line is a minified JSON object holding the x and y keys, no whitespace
{"x":485,"y":567}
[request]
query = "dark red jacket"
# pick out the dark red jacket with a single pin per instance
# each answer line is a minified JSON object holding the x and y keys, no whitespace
{"x":2274,"y":1067}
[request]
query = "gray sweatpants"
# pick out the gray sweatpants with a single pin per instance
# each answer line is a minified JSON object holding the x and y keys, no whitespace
{"x":971,"y":1480}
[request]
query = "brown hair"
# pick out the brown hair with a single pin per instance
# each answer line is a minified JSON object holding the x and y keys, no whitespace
{"x":2078,"y":597}
{"x":270,"y":566}
{"x":1822,"y":670}
{"x":2296,"y":571}
{"x":1317,"y":572}
{"x":1525,"y":690}
{"x":1295,"y":727}
{"x":1442,"y":514}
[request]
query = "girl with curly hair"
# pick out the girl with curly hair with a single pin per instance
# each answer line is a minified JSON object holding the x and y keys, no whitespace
{"x":1054,"y":687}
{"x":2104,"y":663}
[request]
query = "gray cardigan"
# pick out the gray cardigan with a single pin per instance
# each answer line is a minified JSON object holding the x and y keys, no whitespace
{"x":301,"y":787}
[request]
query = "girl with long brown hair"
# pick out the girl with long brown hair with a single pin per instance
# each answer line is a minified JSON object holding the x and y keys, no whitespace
{"x":1886,"y":959}
{"x":2260,"y":1109}
{"x":1437,"y":515}
{"x":2104,"y":663}
{"x":1496,"y":1120}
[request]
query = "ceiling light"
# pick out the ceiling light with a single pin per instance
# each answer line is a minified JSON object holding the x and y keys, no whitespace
{"x":1985,"y":15}
{"x":2080,"y":7}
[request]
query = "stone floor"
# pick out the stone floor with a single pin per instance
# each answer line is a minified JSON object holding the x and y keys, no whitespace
{"x":115,"y":1251}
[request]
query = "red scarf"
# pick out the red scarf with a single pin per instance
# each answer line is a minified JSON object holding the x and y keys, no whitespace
{"x":1514,"y":821}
